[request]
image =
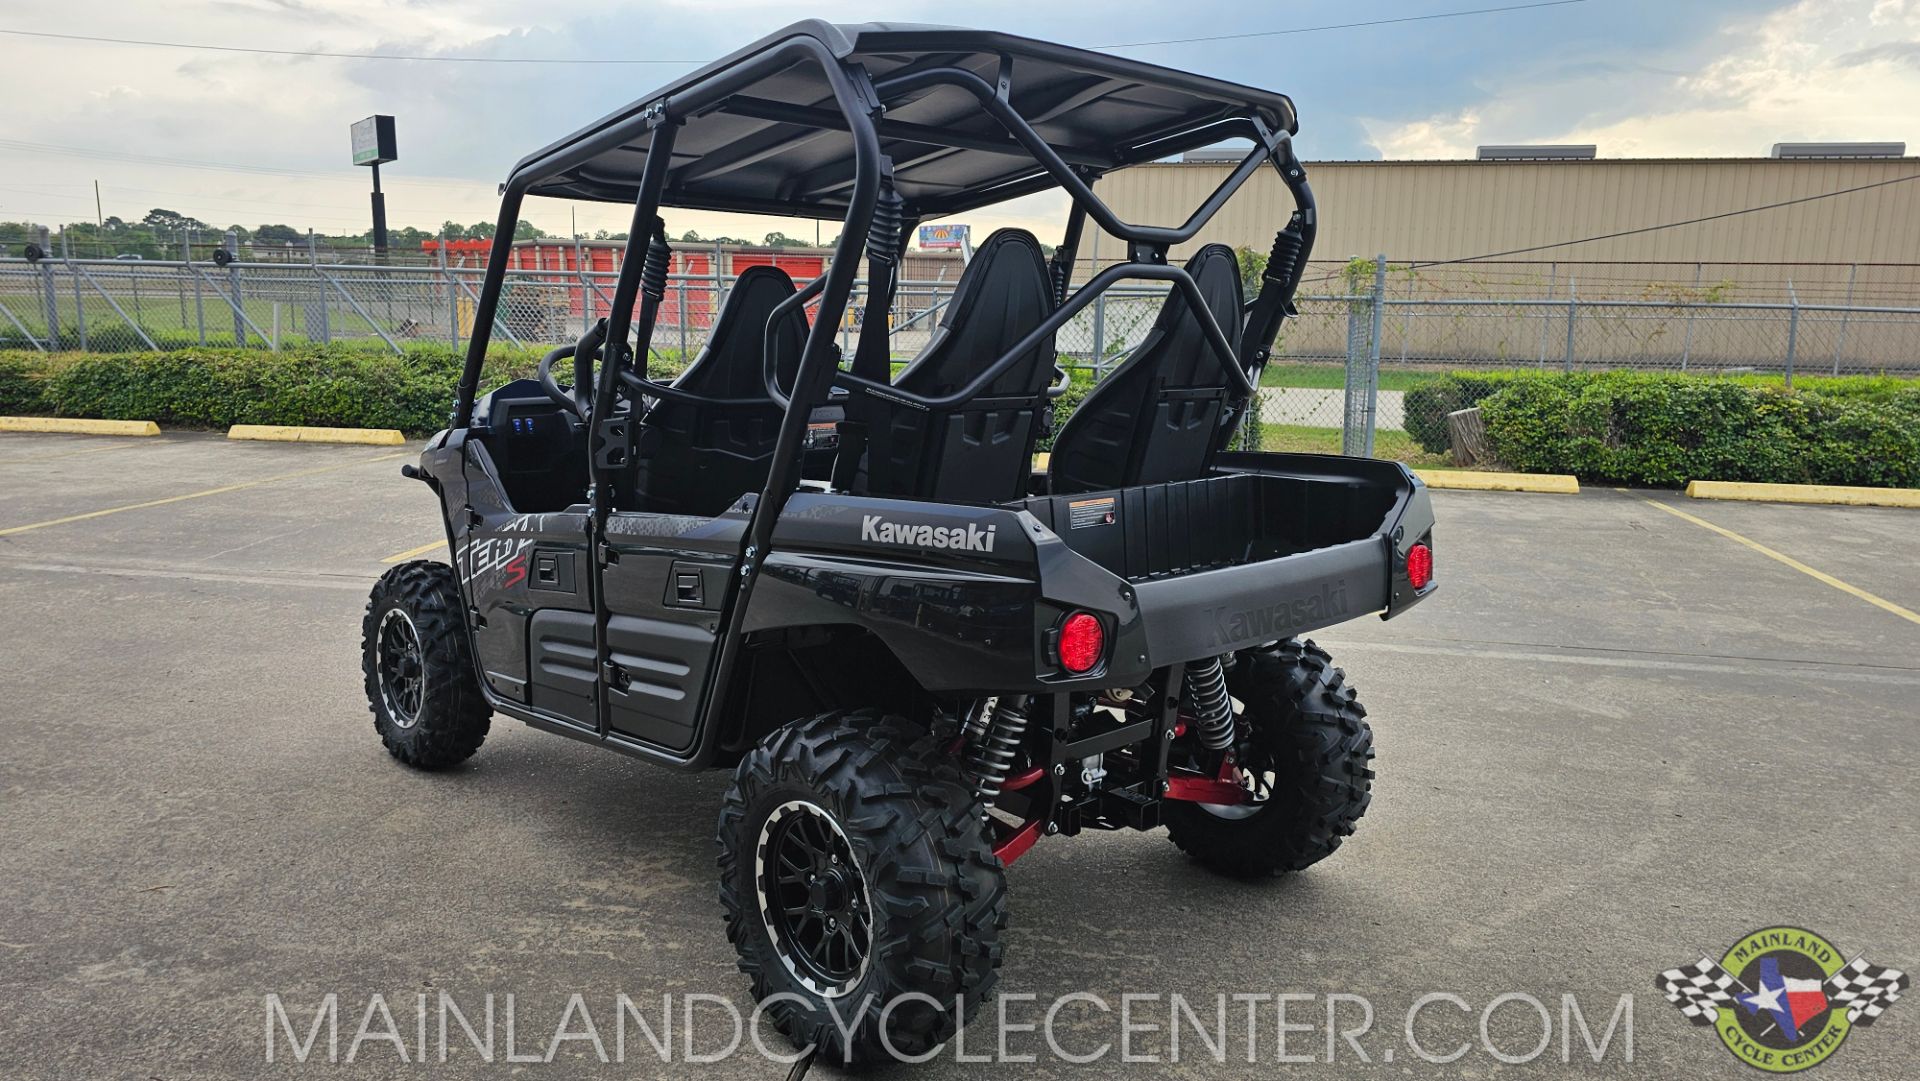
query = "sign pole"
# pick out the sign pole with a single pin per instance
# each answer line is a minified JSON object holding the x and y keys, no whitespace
{"x":374,"y":145}
{"x":379,"y":218}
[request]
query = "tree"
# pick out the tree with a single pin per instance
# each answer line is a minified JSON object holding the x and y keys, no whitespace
{"x":278,"y":234}
{"x":1253,"y":266}
{"x":161,"y":218}
{"x":690,"y":237}
{"x":453,"y":230}
{"x":480,"y":230}
{"x":526,"y":230}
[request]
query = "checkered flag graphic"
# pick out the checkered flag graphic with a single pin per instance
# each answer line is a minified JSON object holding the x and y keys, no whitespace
{"x":1865,"y":990}
{"x":1699,"y":989}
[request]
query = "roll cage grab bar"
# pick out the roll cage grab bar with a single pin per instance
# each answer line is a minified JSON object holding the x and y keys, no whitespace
{"x":862,"y":102}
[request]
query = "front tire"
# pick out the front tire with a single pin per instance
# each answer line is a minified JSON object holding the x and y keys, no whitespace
{"x":854,"y":870}
{"x":1306,"y":759}
{"x":420,"y":678}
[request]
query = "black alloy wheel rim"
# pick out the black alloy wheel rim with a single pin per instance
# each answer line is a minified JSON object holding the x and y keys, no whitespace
{"x":814,"y":898}
{"x":402,"y":671}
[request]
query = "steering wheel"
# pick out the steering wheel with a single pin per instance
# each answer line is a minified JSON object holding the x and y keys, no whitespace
{"x":564,"y":395}
{"x":574,"y":399}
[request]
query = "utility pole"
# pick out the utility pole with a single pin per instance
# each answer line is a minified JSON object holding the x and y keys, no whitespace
{"x":100,"y":217}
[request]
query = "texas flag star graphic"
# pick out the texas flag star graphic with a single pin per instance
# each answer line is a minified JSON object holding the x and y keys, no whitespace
{"x":1791,"y":1002}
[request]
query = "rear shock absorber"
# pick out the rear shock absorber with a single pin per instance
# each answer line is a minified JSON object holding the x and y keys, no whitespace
{"x":883,"y":236}
{"x":653,"y":272}
{"x":1283,"y":261}
{"x":1212,"y":708}
{"x":990,"y":757}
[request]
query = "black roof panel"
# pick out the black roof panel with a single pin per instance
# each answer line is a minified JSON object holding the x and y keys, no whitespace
{"x":773,"y":143}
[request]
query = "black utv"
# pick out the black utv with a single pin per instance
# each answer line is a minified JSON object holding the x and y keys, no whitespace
{"x":917,"y":653}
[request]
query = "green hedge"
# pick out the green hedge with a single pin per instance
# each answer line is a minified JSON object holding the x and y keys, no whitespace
{"x":23,"y":379}
{"x":1664,"y":430}
{"x":1426,"y":405}
{"x":1063,"y":406}
{"x":336,"y":386}
{"x":1429,"y":401}
{"x":1613,"y":427}
{"x":213,"y":388}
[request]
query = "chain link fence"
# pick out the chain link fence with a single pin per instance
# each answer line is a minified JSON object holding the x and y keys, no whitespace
{"x":1365,"y":330}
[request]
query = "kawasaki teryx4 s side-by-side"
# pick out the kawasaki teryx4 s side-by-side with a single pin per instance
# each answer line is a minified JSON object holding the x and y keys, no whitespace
{"x":918,"y":654}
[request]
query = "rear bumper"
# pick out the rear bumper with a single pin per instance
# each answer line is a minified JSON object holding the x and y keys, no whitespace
{"x":1193,"y":614}
{"x":1214,"y":612}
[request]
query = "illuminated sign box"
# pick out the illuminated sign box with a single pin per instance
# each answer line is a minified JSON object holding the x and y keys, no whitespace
{"x":373,"y":142}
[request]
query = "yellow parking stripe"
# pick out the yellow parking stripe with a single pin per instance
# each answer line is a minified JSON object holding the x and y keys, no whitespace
{"x":1904,"y":613}
{"x":402,"y":557}
{"x":10,"y":531}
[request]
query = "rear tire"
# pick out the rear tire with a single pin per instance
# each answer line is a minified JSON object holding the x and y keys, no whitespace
{"x":855,"y":819}
{"x":420,"y":678}
{"x":1309,"y":737}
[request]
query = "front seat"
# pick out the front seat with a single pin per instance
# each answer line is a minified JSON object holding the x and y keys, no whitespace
{"x":698,"y":457}
{"x":1156,"y":418}
{"x":978,"y":451}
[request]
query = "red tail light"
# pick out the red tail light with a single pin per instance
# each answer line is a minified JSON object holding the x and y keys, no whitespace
{"x":1082,"y":641}
{"x":1419,"y":565}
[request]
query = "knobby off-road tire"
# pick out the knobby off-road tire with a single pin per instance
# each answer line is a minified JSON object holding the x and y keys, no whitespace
{"x":1310,"y":733}
{"x":421,"y":683}
{"x":876,"y":792}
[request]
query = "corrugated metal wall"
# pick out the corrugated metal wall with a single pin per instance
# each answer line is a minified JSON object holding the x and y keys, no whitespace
{"x":1436,"y":210}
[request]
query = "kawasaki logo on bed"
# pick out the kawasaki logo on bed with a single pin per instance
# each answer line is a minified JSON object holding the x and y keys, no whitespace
{"x":968,"y":538}
{"x":1271,"y":621}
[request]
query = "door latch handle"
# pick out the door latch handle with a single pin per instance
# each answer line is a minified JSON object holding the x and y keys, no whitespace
{"x":686,"y":588}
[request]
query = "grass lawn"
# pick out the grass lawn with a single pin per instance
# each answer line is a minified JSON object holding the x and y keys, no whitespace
{"x":1301,"y":439}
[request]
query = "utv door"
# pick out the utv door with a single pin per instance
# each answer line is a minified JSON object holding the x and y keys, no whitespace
{"x":666,"y":582}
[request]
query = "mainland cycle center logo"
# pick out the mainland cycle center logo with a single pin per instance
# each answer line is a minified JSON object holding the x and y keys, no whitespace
{"x":1783,"y":999}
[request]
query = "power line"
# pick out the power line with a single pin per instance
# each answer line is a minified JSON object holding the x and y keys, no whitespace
{"x":193,"y":163}
{"x":1669,"y":225}
{"x":324,"y":53}
{"x":1648,"y":228}
{"x":1346,"y":26}
{"x":61,"y":190}
{"x":416,"y":57}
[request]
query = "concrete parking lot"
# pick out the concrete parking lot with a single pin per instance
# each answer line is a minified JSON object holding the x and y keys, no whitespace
{"x":1616,"y":741}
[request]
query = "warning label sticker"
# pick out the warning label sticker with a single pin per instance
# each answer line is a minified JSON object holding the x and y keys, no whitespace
{"x":1086,"y":513}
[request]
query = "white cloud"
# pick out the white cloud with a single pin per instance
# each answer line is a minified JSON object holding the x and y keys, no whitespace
{"x":1818,"y":70}
{"x":1447,"y":136}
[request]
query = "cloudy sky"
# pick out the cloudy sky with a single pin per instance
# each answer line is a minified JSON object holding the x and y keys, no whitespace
{"x":233,"y":137}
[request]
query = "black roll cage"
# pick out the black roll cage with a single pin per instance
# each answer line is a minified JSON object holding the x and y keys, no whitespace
{"x":861,"y":103}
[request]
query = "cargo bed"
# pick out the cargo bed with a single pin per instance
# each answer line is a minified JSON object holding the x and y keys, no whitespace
{"x":1255,"y":508}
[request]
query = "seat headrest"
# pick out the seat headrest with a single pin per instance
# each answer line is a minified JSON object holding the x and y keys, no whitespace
{"x":1004,"y":293}
{"x":1002,"y":261}
{"x":1216,"y":270}
{"x":730,"y":365}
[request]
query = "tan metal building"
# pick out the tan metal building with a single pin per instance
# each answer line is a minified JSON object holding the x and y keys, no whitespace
{"x":1424,"y":211}
{"x":1431,"y":217}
